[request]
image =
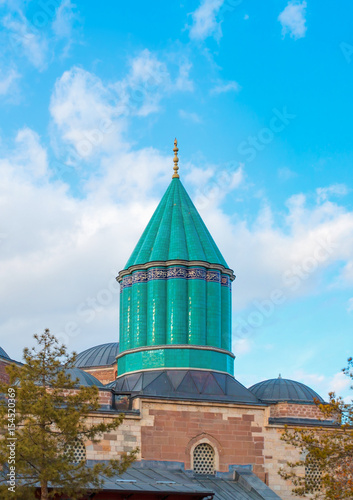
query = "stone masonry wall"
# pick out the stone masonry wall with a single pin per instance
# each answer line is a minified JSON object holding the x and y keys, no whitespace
{"x":168,"y":431}
{"x":295,"y":410}
{"x":124,"y":439}
{"x":240,"y":435}
{"x":276,"y":455}
{"x":104,"y":375}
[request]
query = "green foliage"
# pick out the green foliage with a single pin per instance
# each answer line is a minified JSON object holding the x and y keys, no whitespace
{"x":328,"y":450}
{"x":52,"y":412}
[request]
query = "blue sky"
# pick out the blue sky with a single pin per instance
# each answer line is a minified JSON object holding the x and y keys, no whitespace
{"x":258,"y":95}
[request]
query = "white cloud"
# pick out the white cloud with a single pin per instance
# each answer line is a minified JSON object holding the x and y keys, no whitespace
{"x":347,"y":272}
{"x":50,"y":241}
{"x":148,"y":81}
{"x":339,"y":383}
{"x":65,"y":25}
{"x":7,"y":81}
{"x":141,"y":90}
{"x":85,"y":113}
{"x":183,"y":82}
{"x":189,"y":116}
{"x":64,"y":20}
{"x":310,"y":379}
{"x":285,"y":174}
{"x":291,"y":256}
{"x":30,"y":154}
{"x":292,"y":19}
{"x":198,"y":176}
{"x":212,"y":184}
{"x":87,"y":116}
{"x":25,"y":38}
{"x":223,"y":87}
{"x":242,"y":346}
{"x":336,"y":190}
{"x":350,"y":305}
{"x":47,"y":33}
{"x":205,"y":23}
{"x":90,"y":116}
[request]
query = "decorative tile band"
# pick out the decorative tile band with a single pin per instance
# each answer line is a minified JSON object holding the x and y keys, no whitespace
{"x":225,"y":281}
{"x":193,"y":273}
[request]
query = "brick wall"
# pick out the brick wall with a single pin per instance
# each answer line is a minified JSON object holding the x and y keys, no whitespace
{"x":104,"y":375}
{"x":295,"y":411}
{"x":165,"y":430}
{"x":105,"y":396}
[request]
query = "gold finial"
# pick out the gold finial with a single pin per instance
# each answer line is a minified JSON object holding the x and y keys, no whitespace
{"x":176,"y":160}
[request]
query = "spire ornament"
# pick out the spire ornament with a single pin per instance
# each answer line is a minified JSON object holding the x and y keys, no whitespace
{"x":176,"y":160}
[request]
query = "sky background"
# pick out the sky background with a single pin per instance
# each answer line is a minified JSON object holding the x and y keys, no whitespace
{"x":259,"y":95}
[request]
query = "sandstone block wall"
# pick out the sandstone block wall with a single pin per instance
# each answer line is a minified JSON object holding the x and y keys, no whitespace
{"x":103,"y":374}
{"x":295,"y":411}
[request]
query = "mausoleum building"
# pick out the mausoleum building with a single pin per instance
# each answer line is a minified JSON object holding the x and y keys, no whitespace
{"x":200,"y":432}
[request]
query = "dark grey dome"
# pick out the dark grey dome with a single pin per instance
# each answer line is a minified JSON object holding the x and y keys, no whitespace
{"x":3,"y":354}
{"x":198,"y":385}
{"x":280,"y":389}
{"x":84,"y":378}
{"x":99,"y":355}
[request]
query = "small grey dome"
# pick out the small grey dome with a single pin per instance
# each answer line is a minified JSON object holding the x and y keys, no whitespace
{"x":3,"y":354}
{"x":85,"y":379}
{"x":99,"y":355}
{"x":280,"y":389}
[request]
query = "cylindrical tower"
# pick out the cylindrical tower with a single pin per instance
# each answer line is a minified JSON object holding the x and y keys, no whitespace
{"x":175,"y":307}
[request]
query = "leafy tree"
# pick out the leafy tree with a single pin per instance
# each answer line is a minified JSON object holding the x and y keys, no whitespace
{"x":326,"y":451}
{"x":52,"y":414}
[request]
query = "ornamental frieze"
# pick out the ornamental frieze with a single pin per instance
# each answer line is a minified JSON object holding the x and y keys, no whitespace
{"x":225,"y":281}
{"x":174,"y":273}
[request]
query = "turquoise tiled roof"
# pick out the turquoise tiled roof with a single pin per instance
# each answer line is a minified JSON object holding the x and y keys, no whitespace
{"x":176,"y":231}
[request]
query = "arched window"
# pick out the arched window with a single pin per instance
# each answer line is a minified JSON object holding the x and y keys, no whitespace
{"x":312,"y":474}
{"x":204,"y":459}
{"x":76,"y":451}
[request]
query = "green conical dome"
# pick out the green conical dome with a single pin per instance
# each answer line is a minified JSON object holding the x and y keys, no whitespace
{"x":176,"y":231}
{"x":175,"y":293}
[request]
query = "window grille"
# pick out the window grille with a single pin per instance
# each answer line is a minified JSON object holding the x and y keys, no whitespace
{"x":312,"y":474}
{"x":204,"y":459}
{"x":76,"y":451}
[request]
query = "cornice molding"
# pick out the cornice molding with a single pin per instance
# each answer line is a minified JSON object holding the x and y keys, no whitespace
{"x":176,"y":346}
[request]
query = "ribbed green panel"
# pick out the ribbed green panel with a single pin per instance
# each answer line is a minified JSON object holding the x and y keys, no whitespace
{"x":177,"y":246}
{"x":176,"y":219}
{"x":139,"y":314}
{"x":177,"y":311}
{"x":121,"y":331}
{"x":197,"y":312}
{"x":226,"y":318}
{"x":156,"y":312}
{"x":126,"y":311}
{"x":213,"y":336}
{"x":175,"y":358}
